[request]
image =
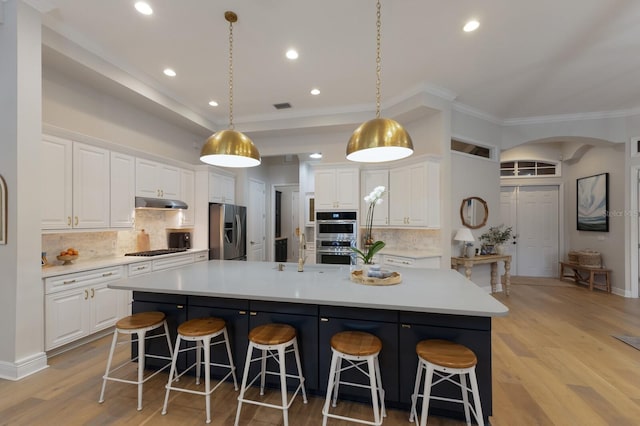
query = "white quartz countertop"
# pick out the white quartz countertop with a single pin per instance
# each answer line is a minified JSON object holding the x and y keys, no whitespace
{"x":421,"y":290}
{"x":80,"y":265}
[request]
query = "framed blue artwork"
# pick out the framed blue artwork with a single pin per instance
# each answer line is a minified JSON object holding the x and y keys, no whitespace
{"x":592,"y":204}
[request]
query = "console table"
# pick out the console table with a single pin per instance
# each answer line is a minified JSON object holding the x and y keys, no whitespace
{"x":586,"y":275}
{"x":493,"y":259}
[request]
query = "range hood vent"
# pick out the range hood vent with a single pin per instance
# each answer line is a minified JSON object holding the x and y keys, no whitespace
{"x":159,"y":203}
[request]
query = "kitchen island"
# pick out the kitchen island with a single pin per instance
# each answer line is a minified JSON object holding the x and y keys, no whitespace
{"x":322,"y":301}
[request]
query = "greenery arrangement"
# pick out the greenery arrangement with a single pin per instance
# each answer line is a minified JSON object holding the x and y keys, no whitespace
{"x":497,"y":235}
{"x":371,"y":247}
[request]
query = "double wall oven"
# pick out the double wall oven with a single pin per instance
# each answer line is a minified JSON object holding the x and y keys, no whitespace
{"x":336,"y":232}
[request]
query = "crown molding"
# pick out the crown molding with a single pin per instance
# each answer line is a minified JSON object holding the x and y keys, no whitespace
{"x":42,"y":6}
{"x":477,"y":113}
{"x":543,"y":119}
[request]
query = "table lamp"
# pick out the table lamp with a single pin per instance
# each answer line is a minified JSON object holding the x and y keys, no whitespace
{"x":464,"y":235}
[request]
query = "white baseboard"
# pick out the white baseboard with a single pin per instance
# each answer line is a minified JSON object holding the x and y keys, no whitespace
{"x":24,"y":367}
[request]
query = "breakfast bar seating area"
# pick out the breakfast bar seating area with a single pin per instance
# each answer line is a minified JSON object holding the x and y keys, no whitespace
{"x":323,"y":302}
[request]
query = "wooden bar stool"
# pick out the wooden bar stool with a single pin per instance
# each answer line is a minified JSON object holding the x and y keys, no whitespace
{"x":138,"y":324}
{"x":357,"y":348}
{"x":202,"y":331}
{"x":446,"y":359}
{"x":273,"y":340}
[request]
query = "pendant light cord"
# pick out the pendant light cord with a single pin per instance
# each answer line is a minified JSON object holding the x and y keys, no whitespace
{"x":378,"y":59}
{"x":231,"y":75}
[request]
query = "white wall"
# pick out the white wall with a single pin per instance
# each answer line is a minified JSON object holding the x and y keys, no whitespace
{"x":73,"y":106}
{"x":21,"y":290}
{"x":473,"y":176}
{"x":611,"y":244}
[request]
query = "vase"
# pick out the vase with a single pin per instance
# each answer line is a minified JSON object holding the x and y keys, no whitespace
{"x":499,"y":248}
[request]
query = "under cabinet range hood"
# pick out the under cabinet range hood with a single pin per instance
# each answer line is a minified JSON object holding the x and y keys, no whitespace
{"x":159,"y":203}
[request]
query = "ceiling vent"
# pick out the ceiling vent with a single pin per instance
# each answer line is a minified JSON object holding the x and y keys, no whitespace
{"x":283,"y":105}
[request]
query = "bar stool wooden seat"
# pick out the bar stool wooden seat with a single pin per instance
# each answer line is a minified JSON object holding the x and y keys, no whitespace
{"x":202,"y":331}
{"x":272,"y":340}
{"x":138,"y":324}
{"x":446,"y":359}
{"x":357,"y":348}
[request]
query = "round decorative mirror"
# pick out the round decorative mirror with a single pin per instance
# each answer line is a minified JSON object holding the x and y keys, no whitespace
{"x":474,"y":212}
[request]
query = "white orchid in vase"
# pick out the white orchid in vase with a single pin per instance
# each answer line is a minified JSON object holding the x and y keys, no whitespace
{"x":370,"y":247}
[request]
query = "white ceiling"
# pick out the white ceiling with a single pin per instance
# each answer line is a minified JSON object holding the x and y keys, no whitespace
{"x":527,"y":59}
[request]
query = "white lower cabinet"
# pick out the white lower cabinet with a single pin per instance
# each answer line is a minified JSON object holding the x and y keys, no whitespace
{"x":201,"y":256}
{"x":410,"y":262}
{"x":79,"y":304}
{"x":171,"y":262}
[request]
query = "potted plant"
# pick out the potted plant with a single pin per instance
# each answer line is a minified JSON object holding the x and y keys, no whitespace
{"x":496,"y":236}
{"x":370,"y":247}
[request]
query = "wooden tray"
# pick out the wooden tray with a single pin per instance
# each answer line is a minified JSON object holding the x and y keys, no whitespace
{"x":357,"y":277}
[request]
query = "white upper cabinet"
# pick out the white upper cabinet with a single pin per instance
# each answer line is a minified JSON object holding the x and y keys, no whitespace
{"x":370,"y":180}
{"x":56,"y":193}
{"x":222,"y":188}
{"x":414,"y":197}
{"x":157,"y":180}
{"x":187,"y":188}
{"x":90,"y":186}
{"x":123,"y":174}
{"x":75,"y":185}
{"x":337,"y":188}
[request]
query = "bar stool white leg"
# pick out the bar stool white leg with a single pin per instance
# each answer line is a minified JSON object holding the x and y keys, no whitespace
{"x":374,"y":390}
{"x":114,"y":342}
{"x":336,"y":389}
{"x":206,"y":345}
{"x":476,"y":397}
{"x":172,"y":374}
{"x":330,"y":387}
{"x":426,"y":394}
{"x":465,"y":397}
{"x":380,"y":388}
{"x":243,"y":386}
{"x":230,"y":358}
{"x":141,"y":363}
{"x":283,"y":385}
{"x":414,"y":397}
{"x":263,"y":370}
{"x":299,"y":364}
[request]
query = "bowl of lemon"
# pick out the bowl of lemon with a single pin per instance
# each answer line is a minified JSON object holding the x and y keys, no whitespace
{"x":68,"y":256}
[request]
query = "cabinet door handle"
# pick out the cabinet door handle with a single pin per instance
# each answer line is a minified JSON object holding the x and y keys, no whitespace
{"x":180,"y":306}
{"x":93,"y":293}
{"x":69,"y":282}
{"x":140,"y":268}
{"x":69,"y":220}
{"x":242,"y":312}
{"x":86,"y":294}
{"x":76,"y":223}
{"x":253,"y":314}
{"x":324,"y":319}
{"x":107,"y":274}
{"x":406,"y":326}
{"x":162,"y":192}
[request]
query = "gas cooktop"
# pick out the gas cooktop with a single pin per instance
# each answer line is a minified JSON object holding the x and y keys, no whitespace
{"x":156,"y":252}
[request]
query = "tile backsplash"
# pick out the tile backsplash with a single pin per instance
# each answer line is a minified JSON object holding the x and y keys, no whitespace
{"x":112,"y":242}
{"x":407,"y":239}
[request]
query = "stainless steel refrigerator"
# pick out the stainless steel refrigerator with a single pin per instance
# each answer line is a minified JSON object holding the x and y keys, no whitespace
{"x":227,"y":232}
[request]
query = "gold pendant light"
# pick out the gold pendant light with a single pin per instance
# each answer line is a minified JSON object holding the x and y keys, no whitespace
{"x":380,"y":139}
{"x":230,"y":148}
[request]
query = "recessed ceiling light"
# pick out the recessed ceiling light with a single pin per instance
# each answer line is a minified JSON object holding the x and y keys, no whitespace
{"x":143,"y":8}
{"x":472,"y":25}
{"x":169,"y":72}
{"x":213,"y":103}
{"x":315,"y":92}
{"x":292,"y":54}
{"x":316,"y":155}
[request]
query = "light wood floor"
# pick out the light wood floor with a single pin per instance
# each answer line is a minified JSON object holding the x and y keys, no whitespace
{"x":554,"y":363}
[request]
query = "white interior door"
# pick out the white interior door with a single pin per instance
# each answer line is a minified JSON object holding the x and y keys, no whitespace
{"x":256,"y":221}
{"x":508,"y":216}
{"x":538,"y":232}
